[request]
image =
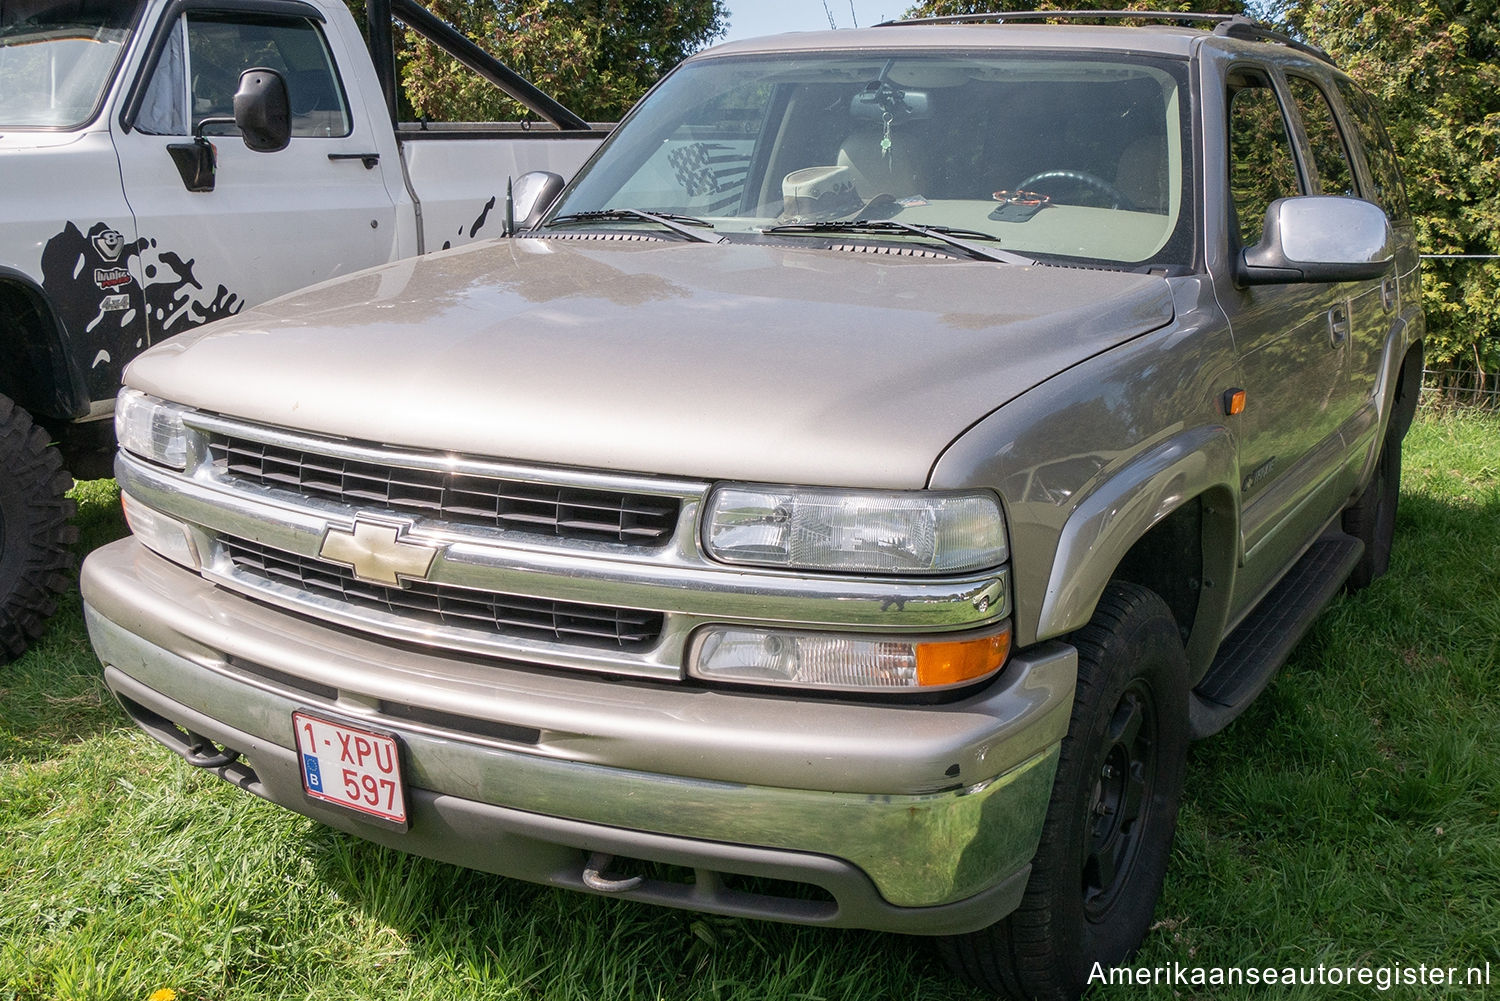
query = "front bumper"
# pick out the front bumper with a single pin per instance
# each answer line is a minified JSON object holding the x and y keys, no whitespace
{"x":907,"y":818}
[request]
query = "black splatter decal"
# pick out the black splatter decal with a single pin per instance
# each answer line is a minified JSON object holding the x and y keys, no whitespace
{"x":173,"y":309}
{"x":483,"y":217}
{"x":109,"y":317}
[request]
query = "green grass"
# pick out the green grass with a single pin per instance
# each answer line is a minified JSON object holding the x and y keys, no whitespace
{"x":1351,"y":817}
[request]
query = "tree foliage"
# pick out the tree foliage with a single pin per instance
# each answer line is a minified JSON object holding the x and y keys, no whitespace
{"x":1433,"y":66}
{"x":595,"y":56}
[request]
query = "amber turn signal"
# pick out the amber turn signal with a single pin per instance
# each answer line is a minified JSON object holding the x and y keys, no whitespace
{"x":951,"y":663}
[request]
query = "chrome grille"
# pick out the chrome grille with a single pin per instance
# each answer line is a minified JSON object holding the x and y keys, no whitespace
{"x":455,"y":607}
{"x":634,"y":519}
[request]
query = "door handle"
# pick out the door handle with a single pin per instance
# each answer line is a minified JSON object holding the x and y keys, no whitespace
{"x":1338,"y":324}
{"x":370,"y":160}
{"x":1388,"y":293}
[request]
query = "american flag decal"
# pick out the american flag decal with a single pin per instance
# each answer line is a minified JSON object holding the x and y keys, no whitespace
{"x":707,"y":169}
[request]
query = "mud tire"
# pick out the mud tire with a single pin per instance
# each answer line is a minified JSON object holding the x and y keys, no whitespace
{"x":36,"y":561}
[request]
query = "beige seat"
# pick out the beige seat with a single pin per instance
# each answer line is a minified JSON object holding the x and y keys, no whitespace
{"x":900,"y":174}
{"x":1142,"y":176}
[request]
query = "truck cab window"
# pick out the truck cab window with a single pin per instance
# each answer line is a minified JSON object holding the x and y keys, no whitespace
{"x":197,"y":80}
{"x":1262,"y":166}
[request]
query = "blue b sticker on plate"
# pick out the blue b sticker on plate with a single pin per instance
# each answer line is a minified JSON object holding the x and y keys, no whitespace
{"x":310,"y":769}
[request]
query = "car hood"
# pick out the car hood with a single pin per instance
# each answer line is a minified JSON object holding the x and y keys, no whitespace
{"x":768,"y":363}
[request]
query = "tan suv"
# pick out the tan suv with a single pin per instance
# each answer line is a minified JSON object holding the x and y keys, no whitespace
{"x":841,"y":505}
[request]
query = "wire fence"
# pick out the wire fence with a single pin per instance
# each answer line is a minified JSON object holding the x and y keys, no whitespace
{"x":1453,"y":387}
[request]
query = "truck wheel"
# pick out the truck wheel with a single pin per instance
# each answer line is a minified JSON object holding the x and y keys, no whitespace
{"x":1099,"y":868}
{"x":35,"y":561}
{"x":1372,"y":518}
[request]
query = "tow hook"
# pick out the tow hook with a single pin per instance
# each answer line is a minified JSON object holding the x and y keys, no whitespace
{"x":594,"y":879}
{"x":204,"y":753}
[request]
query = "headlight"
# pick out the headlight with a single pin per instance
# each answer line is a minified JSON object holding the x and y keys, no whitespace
{"x":871,"y":531}
{"x":846,"y":662}
{"x":151,"y":429}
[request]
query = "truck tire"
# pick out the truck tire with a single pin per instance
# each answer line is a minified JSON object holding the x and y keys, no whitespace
{"x":1103,"y":855}
{"x":1372,"y":518}
{"x":35,"y":533}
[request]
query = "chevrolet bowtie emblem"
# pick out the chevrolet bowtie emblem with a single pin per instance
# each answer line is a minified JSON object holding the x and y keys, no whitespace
{"x":377,"y":554}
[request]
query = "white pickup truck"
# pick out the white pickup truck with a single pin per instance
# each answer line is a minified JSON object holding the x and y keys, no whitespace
{"x":132,"y":212}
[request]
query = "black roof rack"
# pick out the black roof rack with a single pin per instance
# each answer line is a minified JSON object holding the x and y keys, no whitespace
{"x":1224,"y":25}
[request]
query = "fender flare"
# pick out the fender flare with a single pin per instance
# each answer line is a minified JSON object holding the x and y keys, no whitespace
{"x":40,"y":370}
{"x":1105,"y":525}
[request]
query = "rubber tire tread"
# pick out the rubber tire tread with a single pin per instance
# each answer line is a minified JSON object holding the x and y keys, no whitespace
{"x":1372,"y":518}
{"x":36,"y":534}
{"x":1018,"y":957}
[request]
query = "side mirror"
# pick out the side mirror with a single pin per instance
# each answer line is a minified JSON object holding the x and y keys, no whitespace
{"x":262,"y":113}
{"x":263,"y":110}
{"x":1319,"y":238}
{"x":529,"y":198}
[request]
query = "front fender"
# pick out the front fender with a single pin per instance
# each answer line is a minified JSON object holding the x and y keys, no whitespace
{"x":39,"y":367}
{"x":1105,"y":524}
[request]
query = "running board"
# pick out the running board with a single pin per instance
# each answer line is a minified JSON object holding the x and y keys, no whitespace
{"x":1251,"y":655}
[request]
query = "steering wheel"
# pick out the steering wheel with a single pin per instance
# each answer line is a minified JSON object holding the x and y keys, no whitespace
{"x":1099,"y":185}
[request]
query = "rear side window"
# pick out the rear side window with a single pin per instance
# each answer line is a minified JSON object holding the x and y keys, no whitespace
{"x":1262,"y":166}
{"x":1330,"y":156}
{"x":200,"y":67}
{"x":1385,"y":174}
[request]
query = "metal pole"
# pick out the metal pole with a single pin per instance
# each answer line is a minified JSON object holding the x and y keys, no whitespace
{"x":446,"y":37}
{"x":383,"y":51}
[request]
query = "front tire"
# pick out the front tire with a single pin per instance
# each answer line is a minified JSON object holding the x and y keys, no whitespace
{"x":35,"y":534}
{"x":1372,"y":518}
{"x":1108,"y":835}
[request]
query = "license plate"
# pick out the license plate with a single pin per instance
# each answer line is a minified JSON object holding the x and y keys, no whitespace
{"x":351,"y":766}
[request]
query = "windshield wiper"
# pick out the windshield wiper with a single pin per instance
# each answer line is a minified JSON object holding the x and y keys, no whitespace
{"x":953,"y":237}
{"x":678,"y":224}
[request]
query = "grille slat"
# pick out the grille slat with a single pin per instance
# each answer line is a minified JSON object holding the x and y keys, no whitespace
{"x":639,"y":520}
{"x":439,"y":604}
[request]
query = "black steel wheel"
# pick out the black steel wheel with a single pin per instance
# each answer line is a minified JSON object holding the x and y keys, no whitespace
{"x":35,"y":534}
{"x":1108,"y":835}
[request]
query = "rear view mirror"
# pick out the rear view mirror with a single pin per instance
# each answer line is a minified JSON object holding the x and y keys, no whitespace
{"x":1319,"y":239}
{"x":529,"y":198}
{"x":881,"y":101}
{"x":263,"y":110}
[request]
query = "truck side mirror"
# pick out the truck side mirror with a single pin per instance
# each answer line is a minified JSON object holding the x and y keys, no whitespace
{"x":263,"y":110}
{"x":531,"y":195}
{"x":262,"y":113}
{"x":1319,"y":238}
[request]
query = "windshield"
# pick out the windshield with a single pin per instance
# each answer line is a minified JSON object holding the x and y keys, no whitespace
{"x":1077,"y":157}
{"x":57,"y":57}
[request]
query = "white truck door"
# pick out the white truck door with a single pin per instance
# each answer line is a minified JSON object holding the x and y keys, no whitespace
{"x":274,"y":222}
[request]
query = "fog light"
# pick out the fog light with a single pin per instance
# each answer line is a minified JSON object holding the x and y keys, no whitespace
{"x":162,"y":535}
{"x":843,"y":661}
